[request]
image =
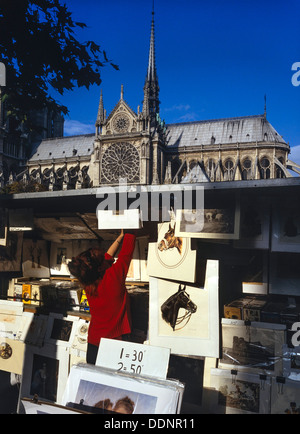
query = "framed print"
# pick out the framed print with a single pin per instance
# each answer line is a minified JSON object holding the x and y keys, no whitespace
{"x":220,"y":219}
{"x":254,"y":347}
{"x":94,"y":389}
{"x":60,"y":256}
{"x":45,"y":372}
{"x":239,"y":393}
{"x":10,"y":255}
{"x":37,"y":330}
{"x":291,"y":362}
{"x":10,"y":318}
{"x":284,"y":273}
{"x":186,"y":318}
{"x":285,"y":396}
{"x":26,"y":321}
{"x":61,"y":330}
{"x":11,"y":355}
{"x":255,"y":214}
{"x":255,"y":278}
{"x":286,"y":227}
{"x":80,"y":339}
{"x":40,"y":407}
{"x":171,"y":257}
{"x":35,"y":259}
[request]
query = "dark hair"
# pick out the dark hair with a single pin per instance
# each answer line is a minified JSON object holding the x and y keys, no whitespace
{"x":89,"y":268}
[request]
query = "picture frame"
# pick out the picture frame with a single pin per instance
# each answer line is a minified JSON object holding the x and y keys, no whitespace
{"x":200,"y":335}
{"x":61,"y":330}
{"x":12,"y":252}
{"x":285,"y":396}
{"x":291,"y":362}
{"x":254,"y":347}
{"x":11,"y":355}
{"x":10,"y":318}
{"x":60,"y":255}
{"x":35,"y":259}
{"x":96,"y":389}
{"x":239,"y":392}
{"x":255,"y":216}
{"x":284,"y":273}
{"x":35,"y":335}
{"x":80,"y":338}
{"x":45,"y":372}
{"x":171,"y":259}
{"x":219,"y":220}
{"x":40,"y":407}
{"x":286,"y":227}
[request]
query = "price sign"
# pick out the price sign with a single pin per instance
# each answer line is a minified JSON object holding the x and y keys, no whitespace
{"x":132,"y":358}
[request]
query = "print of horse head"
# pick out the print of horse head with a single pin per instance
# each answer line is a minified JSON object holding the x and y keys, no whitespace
{"x":171,"y":306}
{"x":170,"y":241}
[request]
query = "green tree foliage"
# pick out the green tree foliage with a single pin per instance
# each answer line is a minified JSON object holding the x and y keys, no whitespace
{"x":38,"y":45}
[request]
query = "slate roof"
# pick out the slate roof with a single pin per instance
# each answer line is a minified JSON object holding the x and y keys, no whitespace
{"x":244,"y":129}
{"x":64,"y":147}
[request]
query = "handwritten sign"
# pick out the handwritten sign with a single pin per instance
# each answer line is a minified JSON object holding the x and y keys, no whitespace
{"x":132,"y":358}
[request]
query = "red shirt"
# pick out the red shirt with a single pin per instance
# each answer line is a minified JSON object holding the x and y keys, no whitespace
{"x":110,"y":314}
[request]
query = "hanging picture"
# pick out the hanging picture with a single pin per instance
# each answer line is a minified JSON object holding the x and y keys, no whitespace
{"x":185,"y":318}
{"x":60,"y":255}
{"x":10,"y":254}
{"x":99,"y":390}
{"x":254,"y":223}
{"x":255,"y":347}
{"x":239,"y":393}
{"x":171,"y":257}
{"x":286,"y":227}
{"x":35,"y":259}
{"x":285,"y":396}
{"x":219,"y":219}
{"x":45,"y":372}
{"x":284,"y":273}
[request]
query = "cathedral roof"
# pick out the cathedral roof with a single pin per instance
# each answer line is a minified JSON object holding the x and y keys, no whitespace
{"x":64,"y":147}
{"x":244,"y":129}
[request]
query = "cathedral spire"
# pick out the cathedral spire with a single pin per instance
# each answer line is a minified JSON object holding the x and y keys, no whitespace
{"x":100,"y":116}
{"x":151,"y":88}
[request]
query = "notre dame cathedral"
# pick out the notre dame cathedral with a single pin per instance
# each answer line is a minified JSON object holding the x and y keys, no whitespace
{"x":140,"y":148}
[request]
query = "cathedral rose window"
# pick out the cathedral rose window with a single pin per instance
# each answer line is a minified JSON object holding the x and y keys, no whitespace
{"x":120,"y":160}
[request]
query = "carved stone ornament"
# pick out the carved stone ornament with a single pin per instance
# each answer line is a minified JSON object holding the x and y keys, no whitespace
{"x":120,"y":160}
{"x":121,"y":123}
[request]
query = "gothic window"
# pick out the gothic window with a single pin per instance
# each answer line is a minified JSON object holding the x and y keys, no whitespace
{"x":120,"y":161}
{"x":210,"y":169}
{"x":265,"y":168}
{"x":212,"y":140}
{"x":228,"y":170}
{"x":279,"y":172}
{"x":246,"y":169}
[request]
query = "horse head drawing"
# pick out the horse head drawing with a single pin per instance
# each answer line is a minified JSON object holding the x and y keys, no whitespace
{"x":171,"y":306}
{"x":170,"y":241}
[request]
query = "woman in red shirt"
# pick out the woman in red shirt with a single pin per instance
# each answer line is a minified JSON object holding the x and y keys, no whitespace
{"x":104,"y":284}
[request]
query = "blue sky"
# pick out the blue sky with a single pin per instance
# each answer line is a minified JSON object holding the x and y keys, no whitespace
{"x":215,"y":59}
